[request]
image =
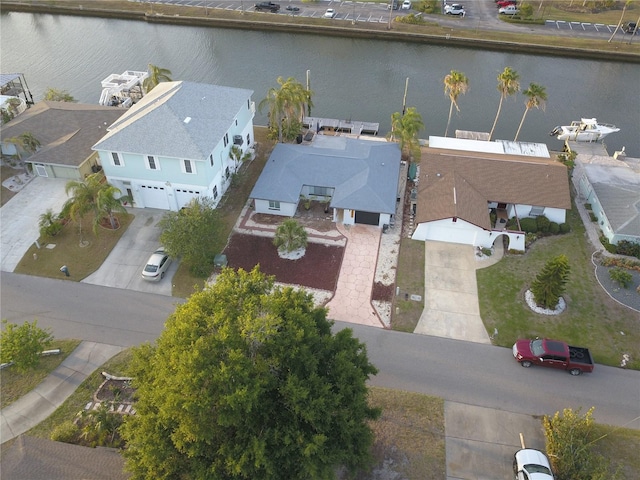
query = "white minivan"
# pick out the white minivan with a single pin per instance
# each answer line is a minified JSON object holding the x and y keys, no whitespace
{"x":406,"y":5}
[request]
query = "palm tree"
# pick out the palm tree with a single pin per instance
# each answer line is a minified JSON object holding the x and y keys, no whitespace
{"x":404,"y":130}
{"x":156,"y":75}
{"x":290,"y":236}
{"x":508,"y":84}
{"x":107,"y":204}
{"x":287,"y":105}
{"x":536,"y":97}
{"x":83,"y":198}
{"x":24,"y":142}
{"x":455,"y":84}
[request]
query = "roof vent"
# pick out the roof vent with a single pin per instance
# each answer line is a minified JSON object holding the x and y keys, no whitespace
{"x":187,"y":120}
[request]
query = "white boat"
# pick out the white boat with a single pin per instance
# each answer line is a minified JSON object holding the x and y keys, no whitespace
{"x":122,"y":89}
{"x":586,"y":130}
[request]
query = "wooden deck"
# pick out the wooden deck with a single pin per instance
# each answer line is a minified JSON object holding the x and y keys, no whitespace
{"x":354,"y":127}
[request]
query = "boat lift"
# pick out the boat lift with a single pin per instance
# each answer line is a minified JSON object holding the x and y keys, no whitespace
{"x":124,"y":89}
{"x":14,"y":85}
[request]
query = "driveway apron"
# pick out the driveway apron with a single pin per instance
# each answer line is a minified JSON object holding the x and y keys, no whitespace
{"x":19,"y":217}
{"x":123,"y":266}
{"x":352,"y":300}
{"x":451,"y":294}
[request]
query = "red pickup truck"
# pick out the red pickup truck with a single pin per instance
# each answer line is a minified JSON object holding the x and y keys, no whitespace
{"x":554,"y":354}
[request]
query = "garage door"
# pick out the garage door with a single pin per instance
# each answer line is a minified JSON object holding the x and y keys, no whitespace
{"x":154,"y":196}
{"x":184,"y":196}
{"x":368,"y":218}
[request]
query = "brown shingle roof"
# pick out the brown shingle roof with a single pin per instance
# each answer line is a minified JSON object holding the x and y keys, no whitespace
{"x":459,"y":184}
{"x":66,"y":131}
{"x":38,"y":459}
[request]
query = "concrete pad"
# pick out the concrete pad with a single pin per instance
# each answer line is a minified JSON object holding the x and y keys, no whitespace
{"x":123,"y":267}
{"x":480,"y":442}
{"x":20,"y":216}
{"x":451,"y":307}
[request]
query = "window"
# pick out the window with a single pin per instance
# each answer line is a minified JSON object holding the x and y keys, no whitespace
{"x":188,"y":167}
{"x":215,"y":192}
{"x":226,"y":173}
{"x":115,"y":158}
{"x":236,"y":122}
{"x":248,"y":139}
{"x":536,"y":211}
{"x":274,"y":205}
{"x":226,"y":139}
{"x":151,"y":163}
{"x":211,"y":159}
{"x":320,"y":191}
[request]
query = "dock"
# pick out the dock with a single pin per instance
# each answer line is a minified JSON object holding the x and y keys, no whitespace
{"x":587,"y":148}
{"x":353,"y":127}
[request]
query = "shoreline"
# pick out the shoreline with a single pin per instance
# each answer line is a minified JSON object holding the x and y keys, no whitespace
{"x":240,"y":21}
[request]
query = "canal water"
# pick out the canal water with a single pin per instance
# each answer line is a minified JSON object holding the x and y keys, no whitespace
{"x":351,"y":79}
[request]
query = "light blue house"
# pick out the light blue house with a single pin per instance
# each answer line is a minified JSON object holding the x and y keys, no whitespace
{"x":175,"y":143}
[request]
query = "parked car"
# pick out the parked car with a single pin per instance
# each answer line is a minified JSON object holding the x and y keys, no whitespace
{"x":330,"y":13}
{"x":454,"y":9}
{"x":270,"y":6}
{"x":509,"y":10}
{"x":505,"y":3}
{"x":554,"y":354}
{"x":631,"y":28}
{"x":394,"y":5}
{"x":293,"y":8}
{"x":156,"y":266}
{"x":530,"y":464}
{"x":406,"y":5}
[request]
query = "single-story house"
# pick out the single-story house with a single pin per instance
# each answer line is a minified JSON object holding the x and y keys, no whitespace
{"x":175,"y":144}
{"x":612,"y":187}
{"x":461,"y":182}
{"x":66,"y":132}
{"x":358,"y":179}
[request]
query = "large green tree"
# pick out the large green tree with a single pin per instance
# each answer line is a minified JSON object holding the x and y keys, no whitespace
{"x":455,"y":84}
{"x":550,"y":283}
{"x":508,"y":84}
{"x":536,"y":98}
{"x":193,"y":234}
{"x":22,"y":344}
{"x":287,"y":105}
{"x":404,"y":130}
{"x":248,"y":381}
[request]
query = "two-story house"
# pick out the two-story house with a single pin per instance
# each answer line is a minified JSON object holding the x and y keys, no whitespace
{"x":175,"y":143}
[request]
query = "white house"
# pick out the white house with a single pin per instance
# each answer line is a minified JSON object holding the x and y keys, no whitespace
{"x":612,"y":187}
{"x":358,"y":178}
{"x":174,"y":144}
{"x":458,"y":189}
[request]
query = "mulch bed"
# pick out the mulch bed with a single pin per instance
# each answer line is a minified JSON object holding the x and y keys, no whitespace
{"x":319,"y":268}
{"x":383,"y":293}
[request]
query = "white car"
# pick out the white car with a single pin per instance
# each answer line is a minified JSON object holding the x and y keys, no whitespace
{"x":530,"y":464}
{"x":156,"y":266}
{"x":454,"y":9}
{"x":406,"y":5}
{"x":330,"y":13}
{"x":509,"y":10}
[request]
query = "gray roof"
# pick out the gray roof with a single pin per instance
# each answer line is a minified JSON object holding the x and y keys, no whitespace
{"x":618,"y":190}
{"x":39,"y":459}
{"x":364,"y":173}
{"x":66,"y":131}
{"x":177,"y":119}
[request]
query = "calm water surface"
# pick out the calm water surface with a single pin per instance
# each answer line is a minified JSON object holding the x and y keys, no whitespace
{"x":357,"y":79}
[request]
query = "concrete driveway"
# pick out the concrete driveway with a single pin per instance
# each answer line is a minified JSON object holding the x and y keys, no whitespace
{"x":451,"y":307}
{"x":123,"y":266}
{"x":20,"y":215}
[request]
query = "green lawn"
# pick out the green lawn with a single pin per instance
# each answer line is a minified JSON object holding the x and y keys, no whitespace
{"x":410,"y":280}
{"x":591,"y":319}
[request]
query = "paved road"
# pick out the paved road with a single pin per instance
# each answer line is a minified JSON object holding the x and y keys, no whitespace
{"x":436,"y":366}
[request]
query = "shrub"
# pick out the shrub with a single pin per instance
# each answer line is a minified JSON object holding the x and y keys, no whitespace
{"x":67,"y":432}
{"x":621,"y":277}
{"x":607,"y":246}
{"x":631,"y":249}
{"x":570,"y":442}
{"x":529,"y":225}
{"x":593,"y":217}
{"x":550,"y":283}
{"x":543,"y":223}
{"x":565,"y":228}
{"x":587,"y":206}
{"x":554,"y":228}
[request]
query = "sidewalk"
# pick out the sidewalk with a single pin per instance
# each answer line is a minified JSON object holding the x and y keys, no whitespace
{"x":42,"y":401}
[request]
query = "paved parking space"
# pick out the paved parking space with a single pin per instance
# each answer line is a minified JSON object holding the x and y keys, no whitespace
{"x":123,"y":266}
{"x":19,"y":217}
